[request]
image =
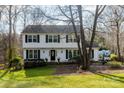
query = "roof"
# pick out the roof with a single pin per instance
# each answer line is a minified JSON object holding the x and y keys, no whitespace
{"x":49,"y":29}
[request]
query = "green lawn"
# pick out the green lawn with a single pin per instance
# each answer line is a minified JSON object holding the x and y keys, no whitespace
{"x":42,"y":77}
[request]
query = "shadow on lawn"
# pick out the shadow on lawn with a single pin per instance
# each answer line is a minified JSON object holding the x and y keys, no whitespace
{"x":112,"y":77}
{"x":4,"y":73}
{"x":39,"y":71}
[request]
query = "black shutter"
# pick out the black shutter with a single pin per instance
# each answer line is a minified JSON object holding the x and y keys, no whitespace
{"x":26,"y":54}
{"x":66,"y":38}
{"x":92,"y":53}
{"x":66,"y":54}
{"x":38,"y":54}
{"x":58,"y":38}
{"x":46,"y":38}
{"x":25,"y":38}
{"x":78,"y":52}
{"x":38,"y":37}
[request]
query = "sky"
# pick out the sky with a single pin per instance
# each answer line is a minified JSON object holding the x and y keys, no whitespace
{"x":49,"y":7}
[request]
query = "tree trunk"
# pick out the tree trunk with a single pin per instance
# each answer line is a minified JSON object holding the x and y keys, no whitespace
{"x":93,"y":35}
{"x":83,"y":44}
{"x":118,"y":43}
{"x":10,"y":34}
{"x":78,"y":40}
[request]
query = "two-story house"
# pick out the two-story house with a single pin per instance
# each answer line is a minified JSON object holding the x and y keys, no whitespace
{"x":51,"y":42}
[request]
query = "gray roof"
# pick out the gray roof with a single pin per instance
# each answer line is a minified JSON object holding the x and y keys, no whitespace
{"x":49,"y":29}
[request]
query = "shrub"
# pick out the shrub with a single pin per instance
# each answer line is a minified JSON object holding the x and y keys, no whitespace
{"x":102,"y":48}
{"x":115,"y":64}
{"x":34,"y":63}
{"x":16,"y":63}
{"x":113,"y":57}
{"x":75,"y":58}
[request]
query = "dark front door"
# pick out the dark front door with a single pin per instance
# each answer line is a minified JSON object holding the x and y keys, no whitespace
{"x":53,"y":55}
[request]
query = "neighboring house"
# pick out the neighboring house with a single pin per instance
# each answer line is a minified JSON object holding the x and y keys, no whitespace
{"x":51,"y":42}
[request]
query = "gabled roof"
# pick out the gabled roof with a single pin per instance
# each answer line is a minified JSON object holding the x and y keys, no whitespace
{"x":49,"y":29}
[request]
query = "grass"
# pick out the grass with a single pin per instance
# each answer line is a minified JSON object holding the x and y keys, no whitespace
{"x":43,"y":77}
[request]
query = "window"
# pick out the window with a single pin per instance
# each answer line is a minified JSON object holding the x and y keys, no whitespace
{"x":70,"y":38}
{"x":30,"y":54}
{"x":71,"y":53}
{"x":53,"y":38}
{"x":29,"y":38}
{"x":75,"y":53}
{"x":33,"y":54}
{"x":32,"y":38}
{"x":50,"y":38}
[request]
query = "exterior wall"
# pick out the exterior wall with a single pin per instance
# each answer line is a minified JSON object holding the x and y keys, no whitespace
{"x":44,"y":53}
{"x":43,"y":43}
{"x":46,"y":47}
{"x":24,"y":53}
{"x":61,"y":53}
{"x":96,"y":57}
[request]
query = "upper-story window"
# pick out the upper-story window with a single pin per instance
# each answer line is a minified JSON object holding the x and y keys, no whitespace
{"x":70,"y":38}
{"x":31,"y":38}
{"x":52,"y":38}
{"x":35,"y":39}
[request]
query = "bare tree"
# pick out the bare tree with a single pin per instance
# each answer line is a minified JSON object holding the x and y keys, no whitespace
{"x":116,"y":20}
{"x":73,"y":15}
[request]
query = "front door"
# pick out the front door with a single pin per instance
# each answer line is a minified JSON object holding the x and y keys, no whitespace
{"x":52,"y":55}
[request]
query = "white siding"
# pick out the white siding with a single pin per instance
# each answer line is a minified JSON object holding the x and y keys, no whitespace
{"x":96,"y":57}
{"x":24,"y":54}
{"x":43,"y":43}
{"x":46,"y":47}
{"x":45,"y":54}
{"x":61,"y":53}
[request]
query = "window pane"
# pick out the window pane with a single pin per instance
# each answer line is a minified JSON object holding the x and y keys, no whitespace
{"x":75,"y":40}
{"x":30,"y":53}
{"x":29,"y":38}
{"x":74,"y":53}
{"x":55,"y":39}
{"x":34,"y":38}
{"x":70,"y":54}
{"x":70,"y":38}
{"x":50,"y":38}
{"x":35,"y":54}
